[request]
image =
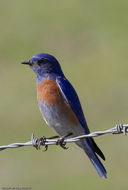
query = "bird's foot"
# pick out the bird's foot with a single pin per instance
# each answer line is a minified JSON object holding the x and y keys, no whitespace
{"x":42,"y":141}
{"x":61,"y":141}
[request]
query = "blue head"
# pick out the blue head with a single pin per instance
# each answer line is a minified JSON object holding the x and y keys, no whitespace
{"x":45,"y":66}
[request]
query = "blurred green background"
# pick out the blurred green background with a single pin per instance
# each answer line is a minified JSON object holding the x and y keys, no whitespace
{"x":90,"y":40}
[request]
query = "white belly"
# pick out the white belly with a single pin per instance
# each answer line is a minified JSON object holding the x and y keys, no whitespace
{"x":58,"y":121}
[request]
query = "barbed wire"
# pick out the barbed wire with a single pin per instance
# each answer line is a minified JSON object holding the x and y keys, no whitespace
{"x":43,"y":141}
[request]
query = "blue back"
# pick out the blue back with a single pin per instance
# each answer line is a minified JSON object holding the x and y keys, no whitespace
{"x":72,"y":99}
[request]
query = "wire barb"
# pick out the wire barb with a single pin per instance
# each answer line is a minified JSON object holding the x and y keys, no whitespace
{"x":118,"y":129}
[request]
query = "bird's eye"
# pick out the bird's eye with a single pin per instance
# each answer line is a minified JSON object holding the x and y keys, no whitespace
{"x":41,"y":62}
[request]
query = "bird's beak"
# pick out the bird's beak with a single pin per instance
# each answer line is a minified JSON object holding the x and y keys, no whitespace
{"x":26,"y":63}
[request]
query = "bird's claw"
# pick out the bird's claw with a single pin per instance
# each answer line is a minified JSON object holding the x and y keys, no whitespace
{"x":41,"y":141}
{"x":62,"y":143}
{"x":46,"y":148}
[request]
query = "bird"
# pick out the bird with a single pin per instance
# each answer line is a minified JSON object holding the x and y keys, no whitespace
{"x":60,"y":106}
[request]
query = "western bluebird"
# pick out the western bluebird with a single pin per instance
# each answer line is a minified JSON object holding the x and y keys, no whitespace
{"x":60,"y":106}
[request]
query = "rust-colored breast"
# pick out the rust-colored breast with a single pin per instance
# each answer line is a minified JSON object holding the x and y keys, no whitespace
{"x":48,"y":91}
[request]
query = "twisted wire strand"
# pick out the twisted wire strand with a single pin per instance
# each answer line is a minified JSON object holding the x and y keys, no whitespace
{"x":118,"y":129}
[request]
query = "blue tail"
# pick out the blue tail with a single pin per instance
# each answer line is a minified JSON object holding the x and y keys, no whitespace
{"x":94,"y":159}
{"x":98,"y":166}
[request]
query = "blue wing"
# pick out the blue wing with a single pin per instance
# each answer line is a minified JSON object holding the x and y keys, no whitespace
{"x":72,"y":99}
